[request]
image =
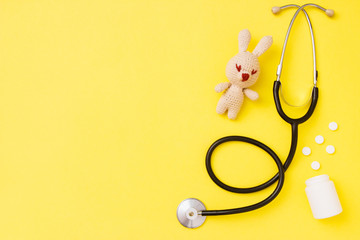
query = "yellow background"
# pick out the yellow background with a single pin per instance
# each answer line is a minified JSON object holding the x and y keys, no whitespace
{"x":107,"y":109}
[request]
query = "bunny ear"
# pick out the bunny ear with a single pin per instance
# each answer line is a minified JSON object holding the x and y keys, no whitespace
{"x":263,"y":45}
{"x":244,"y":40}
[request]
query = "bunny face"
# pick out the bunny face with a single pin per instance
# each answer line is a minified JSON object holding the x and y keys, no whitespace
{"x":243,"y":69}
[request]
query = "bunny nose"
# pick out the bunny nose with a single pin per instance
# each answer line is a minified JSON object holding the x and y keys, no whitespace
{"x":245,"y":77}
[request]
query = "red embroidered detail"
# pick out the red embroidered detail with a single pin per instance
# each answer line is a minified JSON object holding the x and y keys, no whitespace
{"x":253,"y":72}
{"x":238,"y":67}
{"x":245,"y":77}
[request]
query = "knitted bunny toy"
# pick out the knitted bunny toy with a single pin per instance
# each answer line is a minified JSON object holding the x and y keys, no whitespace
{"x":242,"y":71}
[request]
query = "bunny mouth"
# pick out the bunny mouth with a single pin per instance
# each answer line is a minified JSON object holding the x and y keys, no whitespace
{"x":245,"y":77}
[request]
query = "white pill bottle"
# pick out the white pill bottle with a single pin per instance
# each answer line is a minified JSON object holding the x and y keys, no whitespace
{"x":322,"y":196}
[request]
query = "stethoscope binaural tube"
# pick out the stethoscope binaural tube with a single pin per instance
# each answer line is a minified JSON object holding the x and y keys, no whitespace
{"x":276,"y":10}
{"x":182,"y":213}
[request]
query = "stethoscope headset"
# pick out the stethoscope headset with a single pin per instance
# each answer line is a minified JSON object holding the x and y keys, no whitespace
{"x":191,"y":212}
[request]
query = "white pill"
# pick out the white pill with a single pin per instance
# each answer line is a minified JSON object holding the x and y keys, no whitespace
{"x":330,"y":149}
{"x":333,"y":126}
{"x":315,"y":165}
{"x":319,"y":139}
{"x":306,"y":151}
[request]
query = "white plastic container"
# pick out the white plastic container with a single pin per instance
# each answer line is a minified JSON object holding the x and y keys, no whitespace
{"x":322,"y":196}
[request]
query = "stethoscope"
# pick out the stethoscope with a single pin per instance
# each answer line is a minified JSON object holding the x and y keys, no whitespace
{"x":191,"y":212}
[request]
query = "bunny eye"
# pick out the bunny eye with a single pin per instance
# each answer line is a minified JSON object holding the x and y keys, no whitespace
{"x":238,"y":67}
{"x":253,"y":72}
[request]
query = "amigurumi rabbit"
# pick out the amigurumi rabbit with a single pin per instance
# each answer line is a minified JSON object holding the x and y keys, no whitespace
{"x":242,"y":71}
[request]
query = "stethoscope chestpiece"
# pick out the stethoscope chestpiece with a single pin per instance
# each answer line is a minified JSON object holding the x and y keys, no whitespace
{"x":189,"y":213}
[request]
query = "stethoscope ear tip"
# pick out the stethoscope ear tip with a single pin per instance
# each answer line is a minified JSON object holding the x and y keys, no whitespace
{"x":329,"y":12}
{"x":275,"y":10}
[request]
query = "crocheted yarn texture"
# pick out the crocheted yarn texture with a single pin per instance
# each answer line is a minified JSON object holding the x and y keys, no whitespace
{"x":242,"y":71}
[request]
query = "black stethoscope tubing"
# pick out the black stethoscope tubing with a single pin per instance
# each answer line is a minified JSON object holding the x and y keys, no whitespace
{"x":294,"y":122}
